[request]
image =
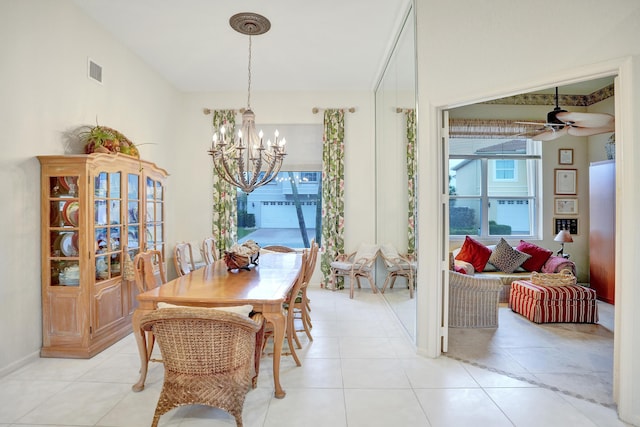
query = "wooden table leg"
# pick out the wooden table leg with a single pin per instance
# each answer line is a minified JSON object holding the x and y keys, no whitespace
{"x":278,"y":322}
{"x":141,"y":340}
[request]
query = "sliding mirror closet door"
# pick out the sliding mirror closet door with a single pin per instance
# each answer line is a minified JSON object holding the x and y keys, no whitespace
{"x":395,"y":155}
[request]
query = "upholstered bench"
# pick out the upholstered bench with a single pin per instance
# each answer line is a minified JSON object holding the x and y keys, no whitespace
{"x":546,"y":304}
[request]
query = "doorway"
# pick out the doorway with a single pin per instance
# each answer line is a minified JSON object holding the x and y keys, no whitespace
{"x":547,"y":355}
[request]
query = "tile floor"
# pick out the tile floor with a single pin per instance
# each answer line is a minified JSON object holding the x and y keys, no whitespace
{"x":360,"y":370}
{"x":576,"y":358}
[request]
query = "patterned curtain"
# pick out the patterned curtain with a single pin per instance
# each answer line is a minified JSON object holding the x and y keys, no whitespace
{"x":332,"y":193}
{"x":412,"y":168}
{"x":224,"y":194}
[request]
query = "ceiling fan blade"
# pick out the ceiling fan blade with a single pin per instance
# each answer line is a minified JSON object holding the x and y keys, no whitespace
{"x":531,"y":123}
{"x":580,"y":131}
{"x":587,"y":120}
{"x":550,"y":135}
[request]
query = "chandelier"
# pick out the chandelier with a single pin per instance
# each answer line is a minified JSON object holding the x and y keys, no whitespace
{"x":244,"y":160}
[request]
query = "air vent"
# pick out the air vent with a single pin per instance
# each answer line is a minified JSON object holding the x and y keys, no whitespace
{"x":95,"y":71}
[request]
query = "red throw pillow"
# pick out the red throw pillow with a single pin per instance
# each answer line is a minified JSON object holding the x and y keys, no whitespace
{"x":475,"y":253}
{"x":538,"y":255}
{"x":459,"y":270}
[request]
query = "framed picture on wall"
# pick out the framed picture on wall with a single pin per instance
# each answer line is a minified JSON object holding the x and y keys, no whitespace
{"x":566,"y":206}
{"x":570,"y":224}
{"x":565,"y":156}
{"x":566,"y":181}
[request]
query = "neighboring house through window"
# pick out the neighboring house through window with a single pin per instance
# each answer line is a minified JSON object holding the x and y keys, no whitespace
{"x":286,"y":211}
{"x":494,"y":187}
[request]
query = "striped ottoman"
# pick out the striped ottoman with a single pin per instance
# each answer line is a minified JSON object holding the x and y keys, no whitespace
{"x":547,"y":304}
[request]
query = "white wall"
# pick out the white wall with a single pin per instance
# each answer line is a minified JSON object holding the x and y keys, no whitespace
{"x":45,"y":93}
{"x":502,"y":51}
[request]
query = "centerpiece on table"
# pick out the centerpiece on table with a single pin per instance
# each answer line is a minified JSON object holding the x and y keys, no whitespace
{"x":242,"y":256}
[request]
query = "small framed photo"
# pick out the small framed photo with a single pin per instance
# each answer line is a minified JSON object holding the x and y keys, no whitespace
{"x":565,"y":156}
{"x":570,"y":224}
{"x":566,"y":181}
{"x":566,"y":206}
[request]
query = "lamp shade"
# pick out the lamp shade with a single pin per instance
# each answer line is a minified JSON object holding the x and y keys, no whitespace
{"x":563,"y":236}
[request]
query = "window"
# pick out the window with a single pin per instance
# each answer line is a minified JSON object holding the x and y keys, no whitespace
{"x":494,"y":187}
{"x":282,"y":214}
{"x":309,"y":176}
{"x":505,"y":170}
{"x":287,"y":211}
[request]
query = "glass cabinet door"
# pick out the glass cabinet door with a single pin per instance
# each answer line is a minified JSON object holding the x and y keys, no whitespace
{"x":154,"y":220}
{"x":64,"y":220}
{"x":107,"y":225}
{"x":132,"y":224}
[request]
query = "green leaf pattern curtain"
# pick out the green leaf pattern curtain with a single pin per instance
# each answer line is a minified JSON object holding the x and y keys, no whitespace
{"x":412,"y":168}
{"x":224,"y":194}
{"x":332,"y":193}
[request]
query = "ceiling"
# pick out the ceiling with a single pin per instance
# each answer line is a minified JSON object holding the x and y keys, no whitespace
{"x":312,"y":45}
{"x":323,"y":45}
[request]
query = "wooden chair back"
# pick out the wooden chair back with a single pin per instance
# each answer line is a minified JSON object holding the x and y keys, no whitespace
{"x":148,"y":269}
{"x":311,"y":261}
{"x":183,"y":258}
{"x":209,"y":250}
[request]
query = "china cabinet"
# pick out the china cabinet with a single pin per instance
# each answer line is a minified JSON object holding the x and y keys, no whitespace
{"x":95,"y":210}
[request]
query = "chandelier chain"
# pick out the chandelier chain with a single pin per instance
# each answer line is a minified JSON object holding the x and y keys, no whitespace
{"x":244,"y":161}
{"x":249,"y":79}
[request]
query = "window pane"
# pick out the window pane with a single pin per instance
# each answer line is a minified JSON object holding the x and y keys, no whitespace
{"x":510,"y":217}
{"x":465,"y":217}
{"x":509,"y":177}
{"x":282,"y":212}
{"x":493,"y":186}
{"x":465,"y":177}
{"x":505,"y":170}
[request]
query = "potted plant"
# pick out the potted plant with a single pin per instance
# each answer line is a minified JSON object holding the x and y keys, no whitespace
{"x":102,"y":139}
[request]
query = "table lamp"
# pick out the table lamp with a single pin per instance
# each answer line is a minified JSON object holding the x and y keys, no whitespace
{"x":563,"y":237}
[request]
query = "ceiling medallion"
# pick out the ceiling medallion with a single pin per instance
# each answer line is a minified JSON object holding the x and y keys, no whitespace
{"x":249,"y":23}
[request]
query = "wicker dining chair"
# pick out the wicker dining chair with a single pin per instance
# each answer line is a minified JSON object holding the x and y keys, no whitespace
{"x":209,"y":357}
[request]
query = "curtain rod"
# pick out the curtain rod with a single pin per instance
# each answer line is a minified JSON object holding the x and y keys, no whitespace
{"x":316,"y":110}
{"x":209,"y":111}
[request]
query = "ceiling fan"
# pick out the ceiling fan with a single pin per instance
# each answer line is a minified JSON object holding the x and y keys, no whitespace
{"x":562,"y":122}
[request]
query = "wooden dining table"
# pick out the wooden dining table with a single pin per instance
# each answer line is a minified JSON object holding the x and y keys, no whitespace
{"x":264,"y":286}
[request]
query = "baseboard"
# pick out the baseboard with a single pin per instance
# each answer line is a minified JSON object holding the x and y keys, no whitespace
{"x":19,"y":363}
